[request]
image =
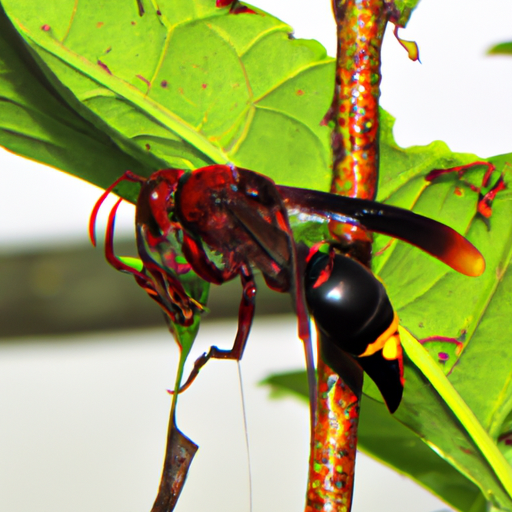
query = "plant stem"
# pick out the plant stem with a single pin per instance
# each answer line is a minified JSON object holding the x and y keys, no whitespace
{"x":354,"y":114}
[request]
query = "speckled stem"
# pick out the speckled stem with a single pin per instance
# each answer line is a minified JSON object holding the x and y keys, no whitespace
{"x":354,"y":112}
{"x":360,"y":25}
{"x":331,"y":471}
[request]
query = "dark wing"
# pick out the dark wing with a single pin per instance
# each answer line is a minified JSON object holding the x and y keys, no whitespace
{"x":430,"y":236}
{"x":386,"y":373}
{"x":273,"y":240}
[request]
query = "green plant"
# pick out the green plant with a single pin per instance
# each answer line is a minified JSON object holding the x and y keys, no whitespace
{"x":67,"y":107}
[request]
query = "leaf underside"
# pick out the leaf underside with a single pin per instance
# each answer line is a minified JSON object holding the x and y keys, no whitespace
{"x":185,"y":88}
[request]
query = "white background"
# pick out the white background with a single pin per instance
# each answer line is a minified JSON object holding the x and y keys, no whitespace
{"x":82,"y":424}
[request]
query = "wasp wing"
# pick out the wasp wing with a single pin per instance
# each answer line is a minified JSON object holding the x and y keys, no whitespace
{"x":275,"y":241}
{"x":430,"y":236}
{"x":280,"y":267}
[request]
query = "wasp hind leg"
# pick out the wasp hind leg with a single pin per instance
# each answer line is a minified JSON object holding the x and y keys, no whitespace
{"x":245,"y":318}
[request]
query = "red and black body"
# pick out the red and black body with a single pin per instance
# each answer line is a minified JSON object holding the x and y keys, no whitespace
{"x":226,"y":221}
{"x":352,"y":312}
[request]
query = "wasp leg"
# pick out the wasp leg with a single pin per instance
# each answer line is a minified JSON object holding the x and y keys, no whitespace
{"x":304,"y":330}
{"x":461,"y":170}
{"x":155,"y":287}
{"x":109,"y":247}
{"x":484,"y":206}
{"x":195,"y":254}
{"x":245,"y":318}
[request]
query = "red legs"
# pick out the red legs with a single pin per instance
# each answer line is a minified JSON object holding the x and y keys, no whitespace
{"x":305,"y":336}
{"x":194,"y":253}
{"x":245,"y":317}
{"x":484,"y":206}
{"x":141,"y":278}
{"x":159,"y":278}
{"x":461,"y":170}
{"x":485,"y":203}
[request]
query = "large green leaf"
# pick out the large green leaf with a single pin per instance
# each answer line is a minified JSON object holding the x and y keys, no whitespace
{"x":189,"y":84}
{"x":36,"y":123}
{"x":477,"y":308}
{"x":423,"y":291}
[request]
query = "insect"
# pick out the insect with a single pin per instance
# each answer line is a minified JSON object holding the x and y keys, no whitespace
{"x":352,"y":311}
{"x":227,"y":221}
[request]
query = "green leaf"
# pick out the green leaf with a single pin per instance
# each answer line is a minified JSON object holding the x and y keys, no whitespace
{"x":403,"y":10}
{"x":189,"y":86}
{"x":428,"y":289}
{"x":424,"y":294}
{"x":392,"y":443}
{"x":396,"y":445}
{"x":435,"y":375}
{"x":479,"y":310}
{"x":36,"y":123}
{"x":501,"y":49}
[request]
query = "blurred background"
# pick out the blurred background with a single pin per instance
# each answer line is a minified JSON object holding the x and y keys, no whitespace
{"x":85,"y":358}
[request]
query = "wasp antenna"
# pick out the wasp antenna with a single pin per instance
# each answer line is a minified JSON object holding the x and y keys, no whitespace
{"x":109,"y":247}
{"x":127,"y":176}
{"x":94,"y":215}
{"x":109,"y":237}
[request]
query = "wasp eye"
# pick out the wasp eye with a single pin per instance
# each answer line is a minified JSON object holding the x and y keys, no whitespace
{"x":350,"y":305}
